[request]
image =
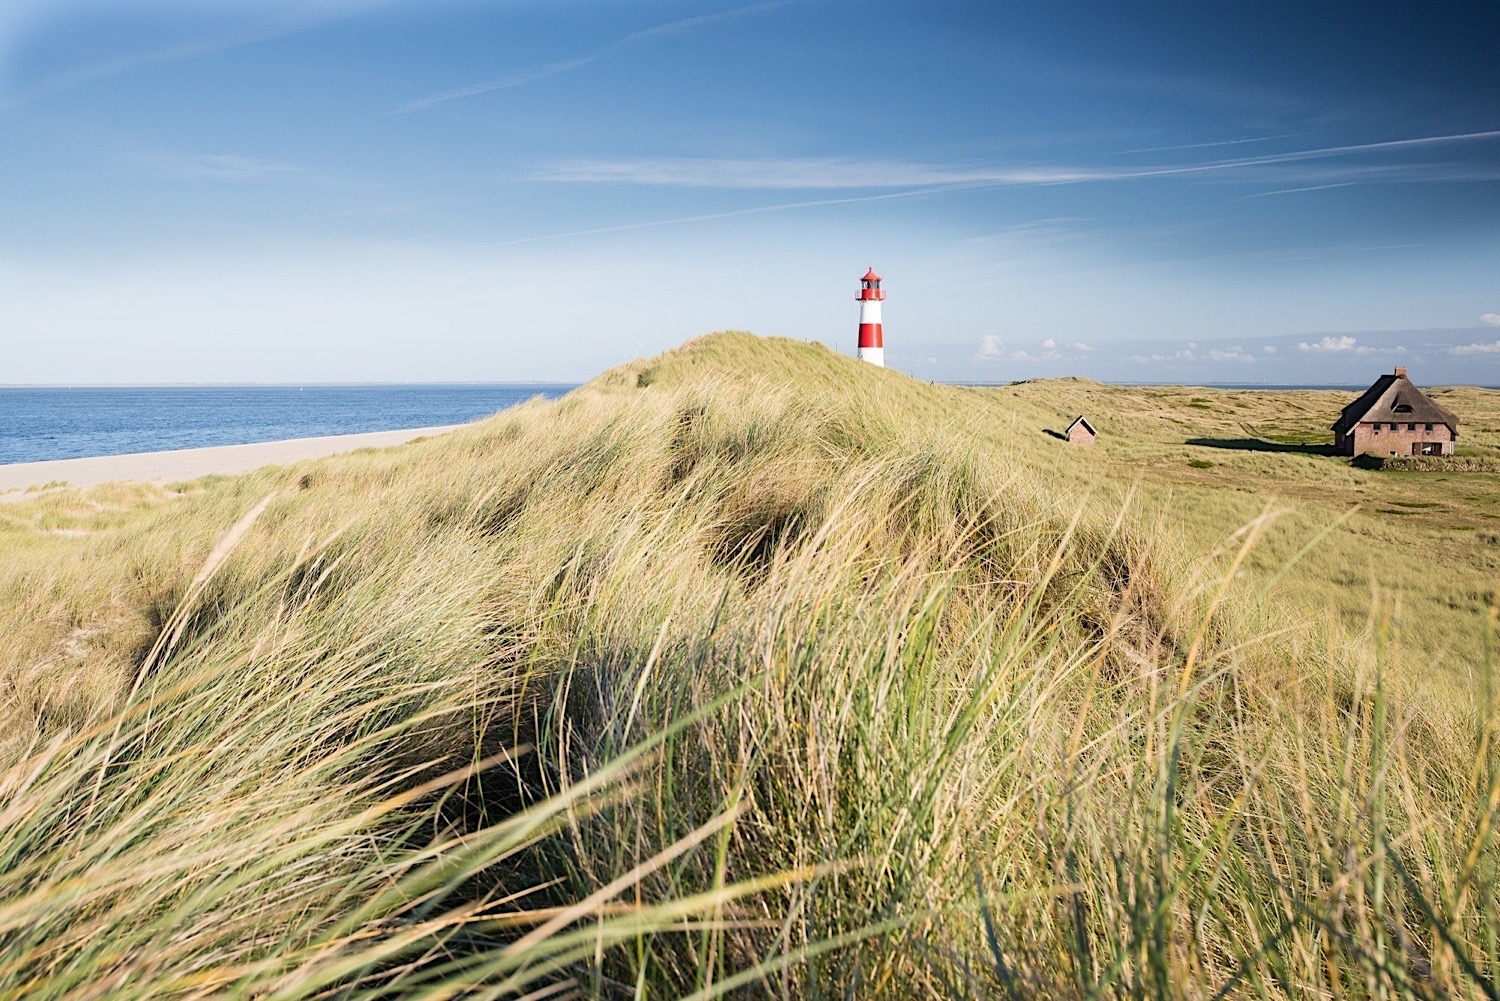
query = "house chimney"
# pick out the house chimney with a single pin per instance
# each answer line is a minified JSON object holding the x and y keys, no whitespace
{"x":1400,"y":372}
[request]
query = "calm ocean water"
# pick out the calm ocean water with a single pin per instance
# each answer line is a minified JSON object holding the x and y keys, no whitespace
{"x":38,"y":424}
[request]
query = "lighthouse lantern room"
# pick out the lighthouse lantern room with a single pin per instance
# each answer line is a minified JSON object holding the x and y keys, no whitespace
{"x":871,"y":338}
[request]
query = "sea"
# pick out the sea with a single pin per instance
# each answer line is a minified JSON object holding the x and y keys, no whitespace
{"x":40,"y":423}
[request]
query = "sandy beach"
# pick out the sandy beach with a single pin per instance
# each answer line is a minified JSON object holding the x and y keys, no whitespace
{"x":188,"y":463}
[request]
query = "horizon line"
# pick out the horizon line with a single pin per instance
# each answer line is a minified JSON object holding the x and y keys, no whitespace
{"x":964,"y":383}
{"x":281,"y":385}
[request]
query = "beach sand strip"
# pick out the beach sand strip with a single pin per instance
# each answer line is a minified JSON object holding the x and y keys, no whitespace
{"x":190,"y":463}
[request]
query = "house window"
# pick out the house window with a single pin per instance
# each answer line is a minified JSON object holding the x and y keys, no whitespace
{"x":1393,"y":427}
{"x":1411,"y":427}
{"x":1429,"y":427}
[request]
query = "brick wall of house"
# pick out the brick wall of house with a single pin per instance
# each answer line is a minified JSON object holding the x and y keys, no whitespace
{"x":1079,"y":435}
{"x":1400,"y":441}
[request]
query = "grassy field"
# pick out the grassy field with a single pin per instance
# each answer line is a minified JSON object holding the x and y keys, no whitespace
{"x":753,"y":671}
{"x":1212,"y":459}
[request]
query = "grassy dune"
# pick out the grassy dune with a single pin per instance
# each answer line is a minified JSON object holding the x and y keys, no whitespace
{"x":747,"y":671}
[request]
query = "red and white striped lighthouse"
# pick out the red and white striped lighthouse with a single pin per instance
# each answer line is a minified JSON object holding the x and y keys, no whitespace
{"x":871,"y":338}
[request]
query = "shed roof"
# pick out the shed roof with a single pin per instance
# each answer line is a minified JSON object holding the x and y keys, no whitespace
{"x":1080,"y":419}
{"x":1394,"y":398}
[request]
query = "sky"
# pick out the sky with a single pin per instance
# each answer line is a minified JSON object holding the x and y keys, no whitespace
{"x":421,"y":190}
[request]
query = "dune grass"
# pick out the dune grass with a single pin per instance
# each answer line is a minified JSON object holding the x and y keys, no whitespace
{"x":748,"y":671}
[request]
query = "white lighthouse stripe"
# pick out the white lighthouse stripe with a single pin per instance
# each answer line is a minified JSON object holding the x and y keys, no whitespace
{"x":875,"y":356}
{"x":869,"y":311}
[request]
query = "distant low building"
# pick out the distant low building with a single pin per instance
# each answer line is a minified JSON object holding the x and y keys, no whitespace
{"x":1394,"y":417}
{"x":1081,"y":432}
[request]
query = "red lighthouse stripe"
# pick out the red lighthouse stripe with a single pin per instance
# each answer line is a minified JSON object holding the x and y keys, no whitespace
{"x":870,"y":336}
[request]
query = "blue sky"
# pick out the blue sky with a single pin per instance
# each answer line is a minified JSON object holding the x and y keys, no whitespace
{"x":370,"y":190}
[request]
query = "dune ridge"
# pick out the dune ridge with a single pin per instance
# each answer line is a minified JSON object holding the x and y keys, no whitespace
{"x":743,"y":668}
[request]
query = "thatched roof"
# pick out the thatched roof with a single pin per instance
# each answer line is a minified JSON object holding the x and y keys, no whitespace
{"x":1080,"y":420}
{"x":1391,"y":399}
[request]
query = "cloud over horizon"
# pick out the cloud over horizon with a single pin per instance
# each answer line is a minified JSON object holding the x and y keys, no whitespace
{"x":1347,"y":344}
{"x":1330,"y":344}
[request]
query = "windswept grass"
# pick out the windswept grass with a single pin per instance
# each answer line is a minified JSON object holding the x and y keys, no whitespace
{"x":747,"y":670}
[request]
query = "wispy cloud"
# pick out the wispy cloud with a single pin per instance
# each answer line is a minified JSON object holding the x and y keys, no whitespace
{"x":1328,"y":344}
{"x":1310,"y":187}
{"x":268,"y":20}
{"x":1389,"y":144}
{"x":699,"y":21}
{"x":80,"y":75}
{"x":499,"y":83}
{"x":521,"y":77}
{"x":991,"y":348}
{"x":729,"y":214}
{"x":1193,"y":353}
{"x":1190,"y":353}
{"x":1208,"y":145}
{"x":1345,"y":344}
{"x":1492,"y":347}
{"x":1324,"y":152}
{"x":915,"y":180}
{"x":214,"y":167}
{"x":801,"y":173}
{"x":808,"y":173}
{"x":1490,"y":319}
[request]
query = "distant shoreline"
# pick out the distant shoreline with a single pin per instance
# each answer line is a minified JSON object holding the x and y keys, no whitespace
{"x":546,"y":383}
{"x":191,"y":463}
{"x":1265,"y":387}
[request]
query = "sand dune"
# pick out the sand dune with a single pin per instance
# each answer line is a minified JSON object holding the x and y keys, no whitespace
{"x":188,"y":463}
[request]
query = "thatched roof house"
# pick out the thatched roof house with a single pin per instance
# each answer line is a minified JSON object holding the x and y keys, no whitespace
{"x":1394,"y":417}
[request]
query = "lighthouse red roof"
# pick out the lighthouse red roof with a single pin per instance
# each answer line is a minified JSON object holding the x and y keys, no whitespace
{"x":870,"y":276}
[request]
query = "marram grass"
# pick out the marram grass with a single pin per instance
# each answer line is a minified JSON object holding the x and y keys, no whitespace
{"x":747,"y":671}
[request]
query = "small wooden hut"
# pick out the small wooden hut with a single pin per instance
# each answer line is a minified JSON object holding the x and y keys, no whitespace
{"x":1081,"y":432}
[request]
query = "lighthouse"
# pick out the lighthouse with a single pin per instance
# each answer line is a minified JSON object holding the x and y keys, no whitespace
{"x":871,"y":339}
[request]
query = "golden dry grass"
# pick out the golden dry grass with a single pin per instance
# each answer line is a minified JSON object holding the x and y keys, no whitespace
{"x":832,"y":681}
